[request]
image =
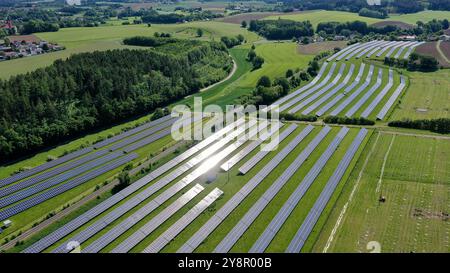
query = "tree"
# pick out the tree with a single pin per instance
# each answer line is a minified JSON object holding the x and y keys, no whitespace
{"x":264,"y":81}
{"x":244,"y":24}
{"x":199,"y":32}
{"x":124,"y":181}
{"x":258,"y":61}
{"x":289,"y":73}
{"x":251,"y":55}
{"x":283,"y":82}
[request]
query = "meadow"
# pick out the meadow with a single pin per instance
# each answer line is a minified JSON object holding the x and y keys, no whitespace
{"x":415,"y":183}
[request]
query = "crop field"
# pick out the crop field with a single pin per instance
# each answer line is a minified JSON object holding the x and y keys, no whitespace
{"x":77,"y":40}
{"x":427,"y":96}
{"x":415,"y":183}
{"x":314,"y":143}
{"x":438,"y":50}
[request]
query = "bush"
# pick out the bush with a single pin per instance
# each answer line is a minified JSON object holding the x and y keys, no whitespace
{"x":257,"y":62}
{"x":347,"y":120}
{"x":441,"y":125}
{"x":298,"y":117}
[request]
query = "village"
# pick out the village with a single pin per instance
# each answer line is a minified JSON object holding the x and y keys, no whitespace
{"x":18,"y":46}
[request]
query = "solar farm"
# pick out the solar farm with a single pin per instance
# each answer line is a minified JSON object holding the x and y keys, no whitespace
{"x":253,"y":186}
{"x":348,"y":86}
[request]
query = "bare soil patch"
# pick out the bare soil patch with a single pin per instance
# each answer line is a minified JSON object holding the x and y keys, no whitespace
{"x":316,"y":48}
{"x":430,"y":49}
{"x":29,"y":38}
{"x":399,"y":24}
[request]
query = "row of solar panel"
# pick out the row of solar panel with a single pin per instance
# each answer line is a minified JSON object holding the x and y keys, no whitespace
{"x":291,"y":203}
{"x":20,"y":195}
{"x":73,"y":172}
{"x":120,"y":228}
{"x":168,"y":235}
{"x":136,"y":200}
{"x":247,"y":166}
{"x":392,"y":99}
{"x":233,"y":236}
{"x":110,"y":202}
{"x":234,"y":201}
{"x":313,"y":216}
{"x":380,"y":47}
{"x":39,"y":198}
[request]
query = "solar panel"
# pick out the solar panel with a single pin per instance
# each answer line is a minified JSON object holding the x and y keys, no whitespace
{"x":234,"y":201}
{"x":324,"y":98}
{"x":366,"y":95}
{"x":39,"y":198}
{"x":395,"y":47}
{"x":302,"y":89}
{"x":392,"y":99}
{"x":318,"y":93}
{"x":346,"y":102}
{"x":248,"y":149}
{"x":183,"y":222}
{"x":43,"y":167}
{"x":367,"y":49}
{"x":310,"y":91}
{"x":390,"y":46}
{"x":207,"y":154}
{"x":364,"y":49}
{"x":377,"y":48}
{"x":100,"y":208}
{"x":20,"y":195}
{"x":399,"y":53}
{"x":411,"y":49}
{"x":41,"y":177}
{"x":311,"y":219}
{"x":236,"y":233}
{"x":355,"y":50}
{"x":280,"y":218}
{"x":149,"y":227}
{"x":347,"y":49}
{"x":380,"y":96}
{"x":130,"y":132}
{"x":261,"y":154}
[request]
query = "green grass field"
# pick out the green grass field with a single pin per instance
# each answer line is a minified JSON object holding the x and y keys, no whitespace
{"x":416,"y":185}
{"x":85,"y":39}
{"x":427,"y":96}
{"x":315,"y":17}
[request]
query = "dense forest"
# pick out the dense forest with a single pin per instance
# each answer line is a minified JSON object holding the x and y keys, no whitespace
{"x":281,"y":29}
{"x":91,"y":90}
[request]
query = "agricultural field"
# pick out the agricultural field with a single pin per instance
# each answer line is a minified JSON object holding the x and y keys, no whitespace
{"x":316,"y":48}
{"x":439,"y":50}
{"x":415,"y":184}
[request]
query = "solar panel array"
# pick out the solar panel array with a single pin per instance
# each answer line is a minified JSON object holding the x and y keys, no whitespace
{"x":380,"y":96}
{"x":335,"y":100}
{"x":133,"y":131}
{"x":313,"y":216}
{"x":43,"y":176}
{"x":318,"y":93}
{"x":247,"y":166}
{"x":411,"y":49}
{"x":360,"y":49}
{"x":43,"y":167}
{"x":358,"y":91}
{"x":248,"y":149}
{"x":328,"y":95}
{"x":238,"y":230}
{"x":282,"y":215}
{"x":151,"y":206}
{"x":310,"y":91}
{"x":42,"y":197}
{"x":145,"y":230}
{"x":232,"y":203}
{"x":23,"y":194}
{"x":110,"y":202}
{"x":366,"y":95}
{"x":392,"y":99}
{"x":369,"y":48}
{"x":339,"y":53}
{"x":183,"y":222}
{"x":136,"y":200}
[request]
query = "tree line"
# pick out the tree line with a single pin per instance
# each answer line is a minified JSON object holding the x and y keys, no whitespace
{"x":281,"y":29}
{"x":440,"y":125}
{"x":89,"y":91}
